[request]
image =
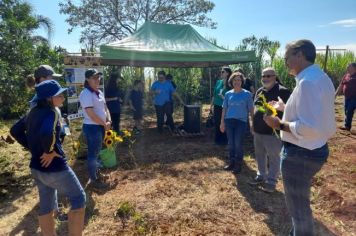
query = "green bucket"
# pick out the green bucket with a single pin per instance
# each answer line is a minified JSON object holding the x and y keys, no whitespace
{"x":108,"y":156}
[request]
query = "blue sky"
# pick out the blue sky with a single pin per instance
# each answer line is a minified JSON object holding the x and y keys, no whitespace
{"x":325,"y":22}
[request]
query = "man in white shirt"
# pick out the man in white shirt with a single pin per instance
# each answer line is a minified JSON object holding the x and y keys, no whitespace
{"x":308,"y":122}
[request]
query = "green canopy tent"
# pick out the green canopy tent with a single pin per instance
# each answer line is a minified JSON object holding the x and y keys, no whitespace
{"x":168,"y":45}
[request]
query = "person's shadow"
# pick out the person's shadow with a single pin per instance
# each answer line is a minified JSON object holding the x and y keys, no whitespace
{"x":28,"y":225}
{"x":272,"y":205}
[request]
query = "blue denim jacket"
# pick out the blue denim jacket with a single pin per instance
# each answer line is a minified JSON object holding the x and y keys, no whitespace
{"x":39,"y":132}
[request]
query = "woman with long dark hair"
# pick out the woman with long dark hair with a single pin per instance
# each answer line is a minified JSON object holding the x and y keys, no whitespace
{"x":113,"y":98}
{"x":221,"y":87}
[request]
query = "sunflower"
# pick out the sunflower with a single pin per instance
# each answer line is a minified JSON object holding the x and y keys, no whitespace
{"x":271,"y":111}
{"x":119,"y":139}
{"x":126,"y":133}
{"x":76,"y":145}
{"x":108,"y":142}
{"x":109,"y":133}
{"x":263,"y":106}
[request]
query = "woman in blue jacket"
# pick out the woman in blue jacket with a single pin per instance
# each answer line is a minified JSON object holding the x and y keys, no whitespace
{"x":40,"y":133}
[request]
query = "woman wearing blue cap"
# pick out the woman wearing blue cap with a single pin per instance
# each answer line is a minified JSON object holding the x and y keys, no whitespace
{"x":50,"y":171}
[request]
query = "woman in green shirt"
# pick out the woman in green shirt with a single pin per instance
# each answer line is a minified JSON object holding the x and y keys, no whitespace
{"x":221,"y":87}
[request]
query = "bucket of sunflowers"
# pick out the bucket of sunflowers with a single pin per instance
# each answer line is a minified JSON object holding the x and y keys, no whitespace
{"x":108,"y":154}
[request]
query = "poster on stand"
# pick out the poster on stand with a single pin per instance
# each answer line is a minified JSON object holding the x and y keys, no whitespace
{"x":74,"y":77}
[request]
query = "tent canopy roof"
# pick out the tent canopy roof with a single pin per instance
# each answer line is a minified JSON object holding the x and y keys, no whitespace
{"x":168,"y":45}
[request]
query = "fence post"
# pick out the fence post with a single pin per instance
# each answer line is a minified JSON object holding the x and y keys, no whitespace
{"x":326,"y":57}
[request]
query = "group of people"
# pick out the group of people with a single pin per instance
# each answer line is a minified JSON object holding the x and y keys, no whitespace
{"x":234,"y":103}
{"x":163,"y":92}
{"x":305,"y":121}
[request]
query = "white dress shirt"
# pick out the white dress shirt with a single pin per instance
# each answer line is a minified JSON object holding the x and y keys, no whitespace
{"x":310,"y":110}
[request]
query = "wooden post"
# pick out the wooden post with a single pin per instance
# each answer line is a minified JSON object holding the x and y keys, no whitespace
{"x":326,"y":58}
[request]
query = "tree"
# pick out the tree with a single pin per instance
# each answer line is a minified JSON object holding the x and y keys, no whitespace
{"x":20,"y":53}
{"x":261,"y":46}
{"x":272,"y":50}
{"x":108,"y":20}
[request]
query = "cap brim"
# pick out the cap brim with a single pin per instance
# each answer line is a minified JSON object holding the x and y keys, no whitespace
{"x":57,"y":75}
{"x":60,"y":91}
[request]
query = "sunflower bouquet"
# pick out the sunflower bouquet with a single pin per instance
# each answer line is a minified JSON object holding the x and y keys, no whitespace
{"x":267,"y":109}
{"x":111,"y":139}
{"x":263,"y":106}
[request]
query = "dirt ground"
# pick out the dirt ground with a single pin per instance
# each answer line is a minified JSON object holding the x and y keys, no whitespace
{"x":178,"y":187}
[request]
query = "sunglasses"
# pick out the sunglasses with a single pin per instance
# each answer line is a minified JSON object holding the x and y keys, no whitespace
{"x":222,"y":72}
{"x":268,"y":76}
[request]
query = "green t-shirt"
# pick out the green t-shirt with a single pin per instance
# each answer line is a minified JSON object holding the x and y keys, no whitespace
{"x":219,"y":89}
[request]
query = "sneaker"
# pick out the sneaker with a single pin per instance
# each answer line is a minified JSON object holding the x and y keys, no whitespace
{"x":97,"y":184}
{"x":256,"y":181}
{"x":102,"y":177}
{"x":268,"y":188}
{"x":345,"y":128}
{"x":237,"y":169}
{"x":229,"y":167}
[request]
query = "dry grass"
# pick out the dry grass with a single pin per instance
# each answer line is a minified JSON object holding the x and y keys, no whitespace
{"x":179,"y":188}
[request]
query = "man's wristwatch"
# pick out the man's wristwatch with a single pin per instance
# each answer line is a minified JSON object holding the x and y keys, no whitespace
{"x":281,"y":126}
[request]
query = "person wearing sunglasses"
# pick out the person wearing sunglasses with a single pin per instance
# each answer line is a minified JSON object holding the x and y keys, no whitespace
{"x":267,"y":144}
{"x":221,"y":87}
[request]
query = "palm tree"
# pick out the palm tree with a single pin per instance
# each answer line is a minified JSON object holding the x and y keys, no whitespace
{"x":45,"y":23}
{"x":272,"y":50}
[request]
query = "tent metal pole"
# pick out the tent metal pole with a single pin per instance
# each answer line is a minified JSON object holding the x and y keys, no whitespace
{"x":210,"y":82}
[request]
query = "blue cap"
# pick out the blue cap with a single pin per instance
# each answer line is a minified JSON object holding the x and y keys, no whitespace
{"x":47,"y":89}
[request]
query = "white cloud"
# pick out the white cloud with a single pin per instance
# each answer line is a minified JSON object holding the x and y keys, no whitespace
{"x":347,"y":23}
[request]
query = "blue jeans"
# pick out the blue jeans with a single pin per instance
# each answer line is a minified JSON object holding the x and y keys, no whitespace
{"x":350,"y":107}
{"x":298,"y":166}
{"x":94,"y":135}
{"x":65,"y":182}
{"x":236,"y":131}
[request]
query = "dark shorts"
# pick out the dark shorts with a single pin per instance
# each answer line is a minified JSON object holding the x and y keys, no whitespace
{"x":138,"y":114}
